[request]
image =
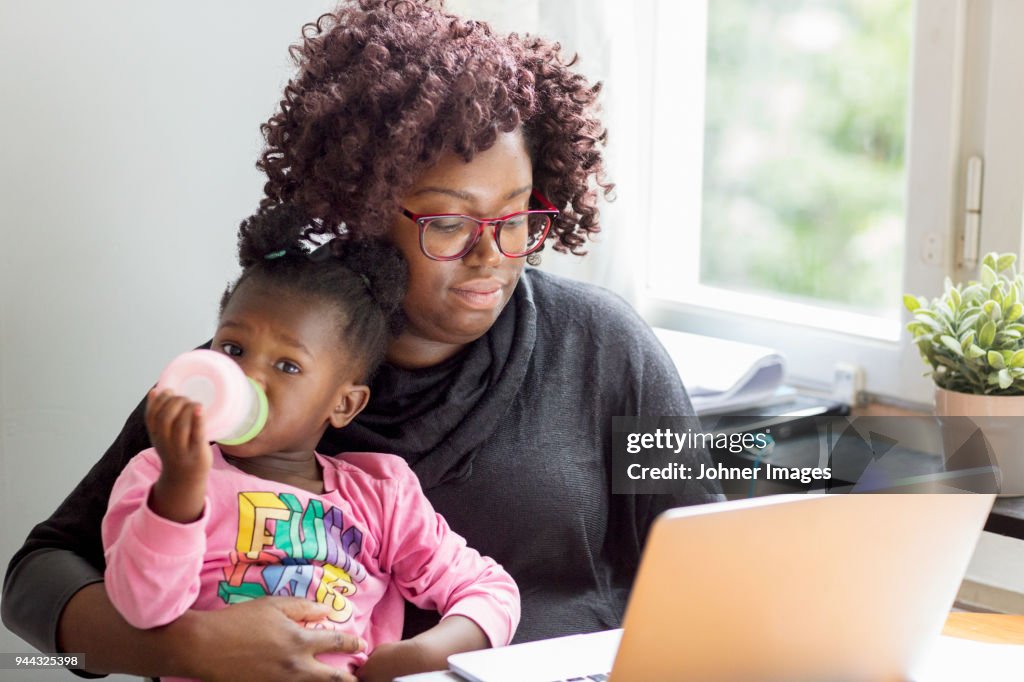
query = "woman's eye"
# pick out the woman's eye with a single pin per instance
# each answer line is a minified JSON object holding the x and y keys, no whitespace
{"x":446,"y":226}
{"x":231,"y":349}
{"x":287,"y":367}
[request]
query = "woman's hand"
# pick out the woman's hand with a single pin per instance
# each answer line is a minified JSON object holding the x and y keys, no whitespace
{"x":264,"y":639}
{"x":395,"y":659}
{"x":175,"y":426}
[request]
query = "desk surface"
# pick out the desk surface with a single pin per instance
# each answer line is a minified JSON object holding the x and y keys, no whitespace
{"x":986,"y":627}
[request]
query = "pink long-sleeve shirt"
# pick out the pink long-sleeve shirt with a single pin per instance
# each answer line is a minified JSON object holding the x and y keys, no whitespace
{"x":368,"y":542}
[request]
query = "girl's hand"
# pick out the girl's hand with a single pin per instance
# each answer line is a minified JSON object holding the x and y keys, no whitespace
{"x":395,"y":659}
{"x":425,"y":652}
{"x":175,"y":426}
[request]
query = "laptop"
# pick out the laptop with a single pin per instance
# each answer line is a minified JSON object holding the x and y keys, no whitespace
{"x":792,"y":587}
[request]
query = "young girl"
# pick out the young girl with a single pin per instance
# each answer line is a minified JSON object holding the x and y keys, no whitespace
{"x":192,"y":524}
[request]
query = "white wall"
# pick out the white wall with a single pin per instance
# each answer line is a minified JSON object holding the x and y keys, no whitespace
{"x":128,"y":134}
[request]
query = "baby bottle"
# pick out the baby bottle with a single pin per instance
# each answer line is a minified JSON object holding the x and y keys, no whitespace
{"x":234,"y":406}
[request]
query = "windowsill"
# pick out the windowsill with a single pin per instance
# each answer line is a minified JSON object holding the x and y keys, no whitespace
{"x":881,"y":410}
{"x":834,"y":319}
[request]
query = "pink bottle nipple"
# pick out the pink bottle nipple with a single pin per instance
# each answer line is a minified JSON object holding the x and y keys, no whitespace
{"x":234,"y":406}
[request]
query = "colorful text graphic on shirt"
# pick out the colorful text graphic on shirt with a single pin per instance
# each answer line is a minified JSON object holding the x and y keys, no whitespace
{"x":286,"y":549}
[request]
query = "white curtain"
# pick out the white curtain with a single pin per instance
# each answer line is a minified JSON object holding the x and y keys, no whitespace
{"x":614,"y":41}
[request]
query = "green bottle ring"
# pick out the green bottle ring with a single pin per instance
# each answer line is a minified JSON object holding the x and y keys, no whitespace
{"x":261,"y":418}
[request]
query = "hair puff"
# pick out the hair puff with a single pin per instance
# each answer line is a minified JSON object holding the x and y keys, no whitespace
{"x":386,"y":87}
{"x":364,"y":280}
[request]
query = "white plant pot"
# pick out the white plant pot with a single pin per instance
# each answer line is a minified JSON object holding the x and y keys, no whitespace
{"x":1001,"y":420}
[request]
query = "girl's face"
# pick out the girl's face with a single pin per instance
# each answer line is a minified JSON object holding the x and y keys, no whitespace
{"x":292,"y":349}
{"x":456,"y":302}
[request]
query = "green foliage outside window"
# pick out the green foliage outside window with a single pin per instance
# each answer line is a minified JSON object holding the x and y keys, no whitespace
{"x":806,"y":104}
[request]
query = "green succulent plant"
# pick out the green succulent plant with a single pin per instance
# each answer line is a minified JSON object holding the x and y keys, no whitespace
{"x":973,"y":335}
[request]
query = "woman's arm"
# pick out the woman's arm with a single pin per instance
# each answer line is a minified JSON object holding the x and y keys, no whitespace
{"x":643,"y":381}
{"x":657,"y":391}
{"x":256,"y":640}
{"x":64,"y":553}
{"x":92,"y":625}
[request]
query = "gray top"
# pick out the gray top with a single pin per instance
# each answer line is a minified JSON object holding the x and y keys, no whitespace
{"x":511,"y":440}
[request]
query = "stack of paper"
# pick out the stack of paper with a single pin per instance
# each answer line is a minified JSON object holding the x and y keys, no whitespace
{"x":726,"y":376}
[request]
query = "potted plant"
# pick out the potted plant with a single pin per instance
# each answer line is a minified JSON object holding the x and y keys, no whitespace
{"x":972,"y":337}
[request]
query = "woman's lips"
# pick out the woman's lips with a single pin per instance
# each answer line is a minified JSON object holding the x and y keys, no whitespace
{"x":480,"y":294}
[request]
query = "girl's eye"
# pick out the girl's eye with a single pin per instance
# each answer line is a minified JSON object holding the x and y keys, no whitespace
{"x":287,"y":367}
{"x":231,"y":349}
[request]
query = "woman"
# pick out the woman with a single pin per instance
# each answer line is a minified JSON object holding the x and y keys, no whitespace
{"x":501,"y":391}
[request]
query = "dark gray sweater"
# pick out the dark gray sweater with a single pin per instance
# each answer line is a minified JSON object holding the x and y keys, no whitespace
{"x":511,"y":440}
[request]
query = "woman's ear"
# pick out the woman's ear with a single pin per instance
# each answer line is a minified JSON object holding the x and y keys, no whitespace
{"x":350,"y":401}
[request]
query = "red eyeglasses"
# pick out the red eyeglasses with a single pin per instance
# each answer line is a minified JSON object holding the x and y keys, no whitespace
{"x":451,"y":236}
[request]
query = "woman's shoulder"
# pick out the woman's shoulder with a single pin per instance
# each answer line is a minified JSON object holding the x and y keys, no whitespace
{"x":570,"y":308}
{"x":556,"y":295}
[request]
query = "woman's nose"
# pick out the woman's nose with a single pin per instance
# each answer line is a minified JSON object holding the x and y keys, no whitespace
{"x":485,"y":252}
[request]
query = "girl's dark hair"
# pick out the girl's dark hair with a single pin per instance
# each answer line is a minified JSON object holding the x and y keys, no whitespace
{"x":385,"y":87}
{"x":364,"y":280}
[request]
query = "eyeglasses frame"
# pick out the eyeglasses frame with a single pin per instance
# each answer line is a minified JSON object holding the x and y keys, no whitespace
{"x":421,"y":220}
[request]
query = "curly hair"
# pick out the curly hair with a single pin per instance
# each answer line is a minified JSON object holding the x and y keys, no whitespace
{"x":386,"y":87}
{"x":364,"y":280}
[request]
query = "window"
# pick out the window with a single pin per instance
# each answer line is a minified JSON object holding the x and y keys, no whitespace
{"x":808,"y":167}
{"x":803,"y":136}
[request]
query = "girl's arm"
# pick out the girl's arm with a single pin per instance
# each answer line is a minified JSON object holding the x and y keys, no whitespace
{"x":175,"y":426}
{"x":428,"y":650}
{"x":434,"y":569}
{"x":154,"y":531}
{"x":153,"y":563}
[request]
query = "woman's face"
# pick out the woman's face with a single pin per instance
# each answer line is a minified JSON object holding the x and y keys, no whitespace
{"x":456,"y":302}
